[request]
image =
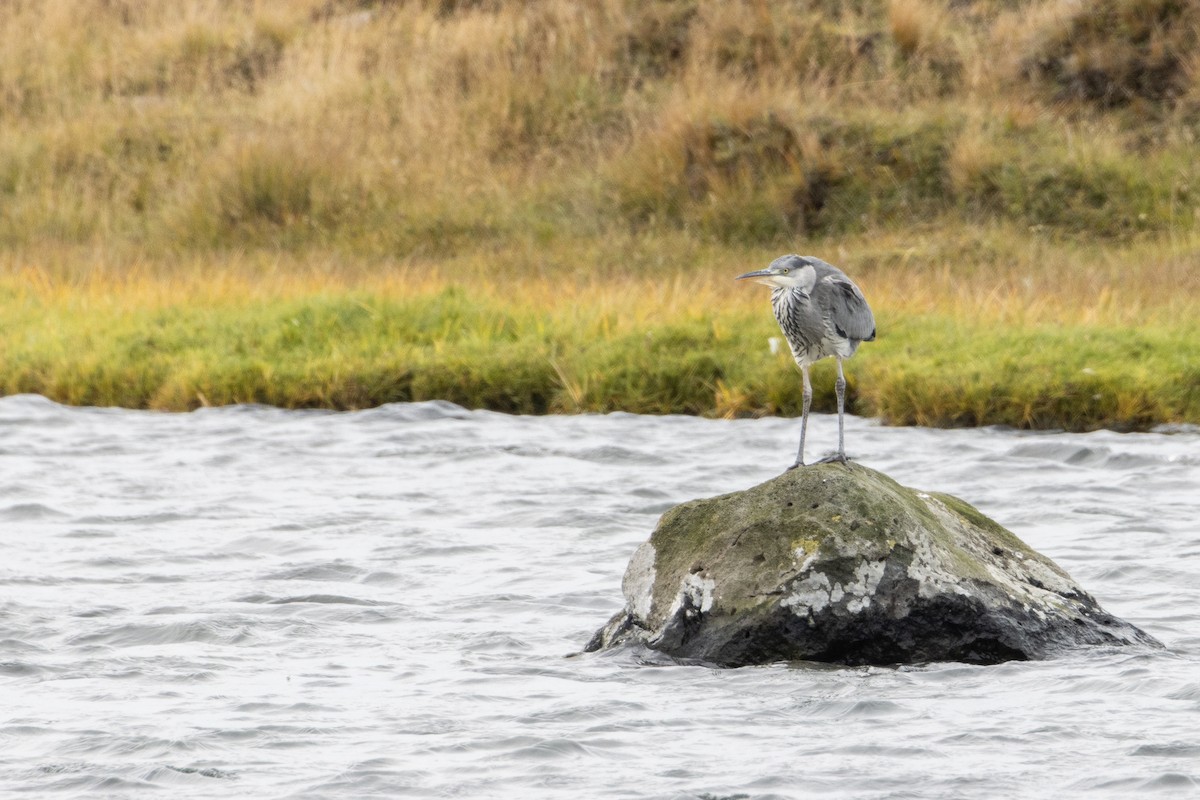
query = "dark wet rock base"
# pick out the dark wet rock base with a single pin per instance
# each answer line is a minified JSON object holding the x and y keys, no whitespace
{"x":838,"y":563}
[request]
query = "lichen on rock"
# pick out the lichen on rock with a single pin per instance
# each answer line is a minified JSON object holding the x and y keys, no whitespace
{"x":839,"y":563}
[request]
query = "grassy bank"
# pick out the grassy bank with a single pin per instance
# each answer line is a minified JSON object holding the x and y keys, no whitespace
{"x":666,"y":337}
{"x":539,"y":206}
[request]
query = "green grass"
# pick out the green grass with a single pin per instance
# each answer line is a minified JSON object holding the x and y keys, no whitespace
{"x":1075,"y":377}
{"x":355,"y":349}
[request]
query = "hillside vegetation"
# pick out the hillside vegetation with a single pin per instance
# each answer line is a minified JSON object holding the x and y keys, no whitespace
{"x":342,"y":202}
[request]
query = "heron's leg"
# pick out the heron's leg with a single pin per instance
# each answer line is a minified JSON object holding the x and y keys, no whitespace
{"x":840,"y":387}
{"x":803,"y":415}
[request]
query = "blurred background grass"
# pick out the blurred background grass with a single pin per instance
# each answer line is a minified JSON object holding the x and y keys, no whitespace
{"x":539,"y":207}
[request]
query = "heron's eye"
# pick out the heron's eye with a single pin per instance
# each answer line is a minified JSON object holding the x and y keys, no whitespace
{"x":786,"y":270}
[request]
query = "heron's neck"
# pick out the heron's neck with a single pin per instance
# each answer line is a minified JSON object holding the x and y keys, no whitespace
{"x":787,"y":296}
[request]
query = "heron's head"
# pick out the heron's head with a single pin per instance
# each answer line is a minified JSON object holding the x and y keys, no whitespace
{"x":786,"y":272}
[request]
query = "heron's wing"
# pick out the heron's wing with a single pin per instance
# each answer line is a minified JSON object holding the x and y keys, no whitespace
{"x":846,"y":307}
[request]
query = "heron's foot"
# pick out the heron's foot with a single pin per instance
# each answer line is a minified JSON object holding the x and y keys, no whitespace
{"x":793,"y":466}
{"x":835,"y":458}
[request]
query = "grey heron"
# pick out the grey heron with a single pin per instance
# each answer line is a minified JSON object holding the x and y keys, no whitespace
{"x":822,"y":313}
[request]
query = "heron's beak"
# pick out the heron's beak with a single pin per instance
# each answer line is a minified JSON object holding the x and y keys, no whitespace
{"x":762,"y":273}
{"x":767,"y":277}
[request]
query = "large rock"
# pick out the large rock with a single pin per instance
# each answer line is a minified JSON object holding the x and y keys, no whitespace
{"x":839,"y":563}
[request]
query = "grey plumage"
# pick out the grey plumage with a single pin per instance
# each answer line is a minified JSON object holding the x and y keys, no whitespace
{"x":822,"y":314}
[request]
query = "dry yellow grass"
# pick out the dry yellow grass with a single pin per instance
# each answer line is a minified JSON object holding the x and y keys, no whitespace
{"x":915,"y":25}
{"x":390,"y":128}
{"x":638,"y":280}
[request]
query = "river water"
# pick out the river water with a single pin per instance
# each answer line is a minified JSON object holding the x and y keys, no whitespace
{"x":250,"y":602}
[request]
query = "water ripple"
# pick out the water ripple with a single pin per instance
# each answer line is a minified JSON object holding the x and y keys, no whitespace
{"x":252,"y":602}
